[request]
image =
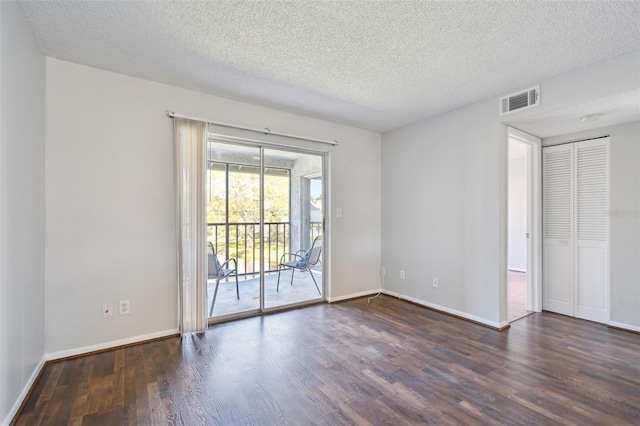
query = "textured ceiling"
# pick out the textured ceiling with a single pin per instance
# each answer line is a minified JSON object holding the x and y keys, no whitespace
{"x":615,"y":109}
{"x":375,"y":65}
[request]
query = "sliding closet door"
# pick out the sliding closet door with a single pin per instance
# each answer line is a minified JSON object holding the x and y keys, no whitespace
{"x":592,"y":204}
{"x":557,"y":287}
{"x":576,"y":229}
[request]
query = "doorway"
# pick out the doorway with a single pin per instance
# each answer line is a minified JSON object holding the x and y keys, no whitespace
{"x":524,"y":225}
{"x":518,"y":229}
{"x":256,"y":203}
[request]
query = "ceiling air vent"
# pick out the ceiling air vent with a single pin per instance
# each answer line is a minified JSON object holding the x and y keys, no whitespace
{"x":520,"y":100}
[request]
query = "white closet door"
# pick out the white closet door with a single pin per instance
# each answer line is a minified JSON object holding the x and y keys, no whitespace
{"x":591,"y":229}
{"x":557,"y":205}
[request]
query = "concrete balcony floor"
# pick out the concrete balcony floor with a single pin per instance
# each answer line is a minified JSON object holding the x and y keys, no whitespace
{"x":301,"y":290}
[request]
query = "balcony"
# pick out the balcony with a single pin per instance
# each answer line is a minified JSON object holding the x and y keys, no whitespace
{"x":241,"y":241}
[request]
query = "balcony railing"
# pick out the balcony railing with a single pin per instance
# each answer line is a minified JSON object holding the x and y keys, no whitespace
{"x":316,"y":230}
{"x":241,"y":241}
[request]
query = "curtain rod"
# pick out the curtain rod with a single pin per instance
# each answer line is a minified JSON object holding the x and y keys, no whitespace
{"x":266,"y":130}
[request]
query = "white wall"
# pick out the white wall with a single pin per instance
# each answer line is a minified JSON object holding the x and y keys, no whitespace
{"x":444,"y":195}
{"x":110,"y":202}
{"x":441,"y":209}
{"x":624,"y":220}
{"x":517,"y":257}
{"x":22,"y":208}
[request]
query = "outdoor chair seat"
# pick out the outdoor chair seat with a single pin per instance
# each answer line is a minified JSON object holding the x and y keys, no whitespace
{"x":220,"y":271}
{"x":302,"y":260}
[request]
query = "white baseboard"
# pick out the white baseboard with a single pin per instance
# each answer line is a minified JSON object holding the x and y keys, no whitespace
{"x":108,"y":345}
{"x":352,"y":295}
{"x":23,"y":394}
{"x":503,"y":325}
{"x":447,"y":310}
{"x":624,"y":326}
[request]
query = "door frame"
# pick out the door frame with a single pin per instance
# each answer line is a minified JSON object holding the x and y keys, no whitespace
{"x":534,"y":219}
{"x":326,"y":249}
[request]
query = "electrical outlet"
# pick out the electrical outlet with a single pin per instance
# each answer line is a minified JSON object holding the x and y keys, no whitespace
{"x":435,"y":283}
{"x":402,"y":275}
{"x":107,"y":310}
{"x":125,"y":307}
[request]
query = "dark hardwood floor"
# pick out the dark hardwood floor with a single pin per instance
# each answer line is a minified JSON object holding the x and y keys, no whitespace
{"x":389,"y":362}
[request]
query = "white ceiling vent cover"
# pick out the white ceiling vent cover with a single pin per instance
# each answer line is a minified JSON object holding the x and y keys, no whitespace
{"x":520,"y":100}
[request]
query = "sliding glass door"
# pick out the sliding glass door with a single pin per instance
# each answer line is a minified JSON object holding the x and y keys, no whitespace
{"x":297,"y":273}
{"x":264,"y":213}
{"x":233,"y":228}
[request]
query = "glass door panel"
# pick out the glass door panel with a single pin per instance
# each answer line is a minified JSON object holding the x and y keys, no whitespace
{"x":293,"y":219}
{"x":233,"y":228}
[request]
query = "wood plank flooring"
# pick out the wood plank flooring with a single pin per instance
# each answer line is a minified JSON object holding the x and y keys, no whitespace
{"x":388,"y":362}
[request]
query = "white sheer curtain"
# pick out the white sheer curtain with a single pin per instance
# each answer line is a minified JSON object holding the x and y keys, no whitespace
{"x":190,"y":166}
